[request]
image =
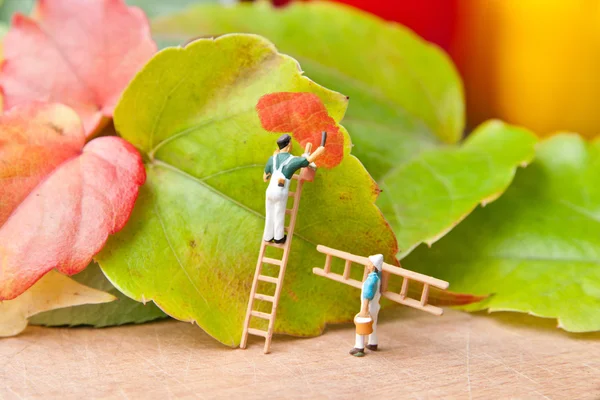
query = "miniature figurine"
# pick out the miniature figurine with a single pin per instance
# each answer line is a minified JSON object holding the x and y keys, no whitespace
{"x":366,"y":320}
{"x":279,"y":169}
{"x":376,"y":275}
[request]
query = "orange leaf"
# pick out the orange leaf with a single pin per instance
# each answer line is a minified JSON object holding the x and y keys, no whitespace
{"x":79,"y":53}
{"x":305,"y":116}
{"x":59,"y":199}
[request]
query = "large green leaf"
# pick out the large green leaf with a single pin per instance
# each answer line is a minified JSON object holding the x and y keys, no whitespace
{"x":426,"y":197}
{"x":155,"y":8}
{"x":406,"y":106}
{"x":538,"y":247}
{"x":192,"y":241}
{"x":122,"y":311}
{"x":405,"y":94}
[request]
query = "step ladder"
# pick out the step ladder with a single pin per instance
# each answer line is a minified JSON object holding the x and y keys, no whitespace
{"x":387,"y":271}
{"x":306,"y":174}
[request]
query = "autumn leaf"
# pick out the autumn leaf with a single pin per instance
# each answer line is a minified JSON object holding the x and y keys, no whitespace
{"x":121,"y":311}
{"x":192,"y":242}
{"x":537,"y":248}
{"x":87,"y":62}
{"x":405,"y":113}
{"x":305,"y":117}
{"x":51,"y":292}
{"x":59,"y":199}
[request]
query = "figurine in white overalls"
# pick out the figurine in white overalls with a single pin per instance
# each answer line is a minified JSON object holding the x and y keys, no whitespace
{"x":367,"y":318}
{"x":279,"y":169}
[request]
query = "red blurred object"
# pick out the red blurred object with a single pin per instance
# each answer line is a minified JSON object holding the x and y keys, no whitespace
{"x":434,"y":20}
{"x":281,"y":2}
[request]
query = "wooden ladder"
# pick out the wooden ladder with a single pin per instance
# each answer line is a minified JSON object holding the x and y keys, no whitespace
{"x":407,"y":275}
{"x":278,"y":281}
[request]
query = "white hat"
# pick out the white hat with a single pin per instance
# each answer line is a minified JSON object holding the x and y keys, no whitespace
{"x":377,"y":261}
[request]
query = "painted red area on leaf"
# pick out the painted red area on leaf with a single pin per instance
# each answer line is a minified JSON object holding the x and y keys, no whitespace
{"x":59,"y":199}
{"x":79,"y":53}
{"x":304,"y":116}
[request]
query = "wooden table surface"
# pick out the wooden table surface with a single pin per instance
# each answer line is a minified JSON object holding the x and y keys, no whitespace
{"x":457,"y":356}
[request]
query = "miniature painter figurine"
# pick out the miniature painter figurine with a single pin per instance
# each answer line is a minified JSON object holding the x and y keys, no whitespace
{"x":279,"y":169}
{"x":376,"y":276}
{"x":366,"y":320}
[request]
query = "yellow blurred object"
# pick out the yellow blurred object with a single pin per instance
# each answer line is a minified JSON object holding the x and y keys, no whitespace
{"x":531,"y":62}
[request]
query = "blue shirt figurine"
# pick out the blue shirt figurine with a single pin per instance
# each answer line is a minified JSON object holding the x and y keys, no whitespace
{"x":370,"y":295}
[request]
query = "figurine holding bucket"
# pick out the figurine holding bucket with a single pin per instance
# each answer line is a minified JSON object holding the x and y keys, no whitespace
{"x":366,"y":320}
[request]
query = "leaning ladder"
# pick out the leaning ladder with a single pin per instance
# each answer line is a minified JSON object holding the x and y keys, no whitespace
{"x":278,"y":281}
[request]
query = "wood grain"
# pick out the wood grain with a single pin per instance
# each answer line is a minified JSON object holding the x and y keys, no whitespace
{"x":456,"y":356}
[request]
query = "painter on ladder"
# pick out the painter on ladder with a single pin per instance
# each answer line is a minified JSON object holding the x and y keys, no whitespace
{"x":366,"y":320}
{"x":279,"y":169}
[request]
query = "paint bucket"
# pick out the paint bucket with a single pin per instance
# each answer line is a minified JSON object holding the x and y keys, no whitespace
{"x":364,"y":325}
{"x":307,"y":174}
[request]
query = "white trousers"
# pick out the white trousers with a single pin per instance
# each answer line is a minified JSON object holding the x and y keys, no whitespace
{"x":275,"y":205}
{"x":374,"y":311}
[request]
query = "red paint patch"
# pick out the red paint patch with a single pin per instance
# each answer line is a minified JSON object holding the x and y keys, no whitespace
{"x":303,"y":115}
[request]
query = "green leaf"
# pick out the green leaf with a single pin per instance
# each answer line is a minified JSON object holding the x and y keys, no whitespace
{"x":9,"y":7}
{"x":192,"y":241}
{"x":406,"y":95}
{"x":122,"y":311}
{"x":538,"y":247}
{"x":425,"y":198}
{"x":154,"y":8}
{"x":406,"y":106}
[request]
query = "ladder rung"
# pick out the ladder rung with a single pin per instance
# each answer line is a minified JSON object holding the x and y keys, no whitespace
{"x":261,"y":314}
{"x":273,"y":261}
{"x":257,"y":332}
{"x":278,"y":245}
{"x":264,"y":297}
{"x":291,"y":194}
{"x":296,"y":176}
{"x":265,"y":278}
{"x":289,"y":211}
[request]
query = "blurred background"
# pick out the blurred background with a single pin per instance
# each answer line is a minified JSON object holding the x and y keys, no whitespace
{"x":533,"y":63}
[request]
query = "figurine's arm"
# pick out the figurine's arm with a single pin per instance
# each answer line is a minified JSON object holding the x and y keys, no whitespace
{"x":364,"y":307}
{"x":368,"y":293}
{"x":268,"y":169}
{"x":316,"y":154}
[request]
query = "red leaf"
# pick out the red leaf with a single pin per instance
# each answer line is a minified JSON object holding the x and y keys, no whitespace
{"x":59,"y":200}
{"x":305,"y":116}
{"x":79,"y":53}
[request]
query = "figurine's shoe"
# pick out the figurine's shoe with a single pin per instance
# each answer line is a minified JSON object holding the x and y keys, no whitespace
{"x":282,"y":240}
{"x":270,"y":240}
{"x":372,"y":347}
{"x":357,"y":352}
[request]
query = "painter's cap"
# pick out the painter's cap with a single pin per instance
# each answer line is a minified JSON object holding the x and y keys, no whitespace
{"x":377,"y":261}
{"x":283,"y":141}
